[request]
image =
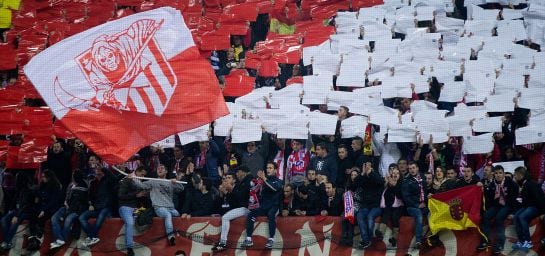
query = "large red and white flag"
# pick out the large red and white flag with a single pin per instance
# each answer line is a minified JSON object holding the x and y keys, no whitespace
{"x":128,"y":83}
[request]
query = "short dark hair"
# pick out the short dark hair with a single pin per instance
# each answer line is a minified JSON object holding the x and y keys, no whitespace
{"x":392,"y":165}
{"x":342,"y":146}
{"x":273,"y":164}
{"x":322,"y":146}
{"x":412,"y":162}
{"x":498,"y":168}
{"x":522,"y":171}
{"x":243,"y":168}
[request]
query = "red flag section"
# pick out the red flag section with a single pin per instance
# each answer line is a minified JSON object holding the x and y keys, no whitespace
{"x":238,"y":83}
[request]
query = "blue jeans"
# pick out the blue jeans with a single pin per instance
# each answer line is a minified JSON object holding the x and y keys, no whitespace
{"x":8,"y":228}
{"x":522,"y":217}
{"x":498,"y":214}
{"x":127,"y":215}
{"x":418,"y":215}
{"x":62,"y":233}
{"x":167,"y":214}
{"x":366,"y":222}
{"x":100,"y":215}
{"x":271,"y":217}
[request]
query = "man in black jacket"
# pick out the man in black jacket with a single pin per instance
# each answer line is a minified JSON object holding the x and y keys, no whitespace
{"x":369,"y":210}
{"x":530,"y":200}
{"x":128,"y":196}
{"x":238,"y":203}
{"x":500,"y":196}
{"x":333,"y":203}
{"x":468,"y":178}
{"x":269,"y":204}
{"x":323,"y":162}
{"x":414,"y":196}
{"x":100,"y":203}
{"x":307,"y":202}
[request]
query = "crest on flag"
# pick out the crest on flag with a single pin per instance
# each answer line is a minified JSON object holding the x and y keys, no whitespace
{"x":456,"y":211}
{"x":127,"y":71}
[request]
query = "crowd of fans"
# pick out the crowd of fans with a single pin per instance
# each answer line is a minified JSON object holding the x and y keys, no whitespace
{"x":276,"y":177}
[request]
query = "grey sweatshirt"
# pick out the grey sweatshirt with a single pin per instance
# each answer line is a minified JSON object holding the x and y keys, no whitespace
{"x":161,"y":193}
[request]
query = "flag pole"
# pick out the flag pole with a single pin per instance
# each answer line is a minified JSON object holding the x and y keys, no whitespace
{"x":145,"y":178}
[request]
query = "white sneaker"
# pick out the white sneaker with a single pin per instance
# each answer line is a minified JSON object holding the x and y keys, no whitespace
{"x":93,"y":241}
{"x":56,"y":244}
{"x":86,"y":241}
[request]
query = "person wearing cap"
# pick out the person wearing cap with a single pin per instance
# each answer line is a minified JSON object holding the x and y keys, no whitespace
{"x":238,"y":204}
{"x":269,"y":205}
{"x":500,"y":196}
{"x":254,"y":156}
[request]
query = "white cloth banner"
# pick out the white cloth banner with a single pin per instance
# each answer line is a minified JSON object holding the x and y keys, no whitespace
{"x":197,"y":134}
{"x":167,"y":142}
{"x":322,"y":124}
{"x":353,"y":126}
{"x":245,"y":130}
{"x":481,"y":144}
{"x":509,"y":166}
{"x":530,"y":135}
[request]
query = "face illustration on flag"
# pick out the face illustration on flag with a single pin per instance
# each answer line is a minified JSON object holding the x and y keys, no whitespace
{"x":124,"y":71}
{"x":140,"y":76}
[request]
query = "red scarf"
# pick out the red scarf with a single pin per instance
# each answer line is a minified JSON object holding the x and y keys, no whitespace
{"x":499,"y":194}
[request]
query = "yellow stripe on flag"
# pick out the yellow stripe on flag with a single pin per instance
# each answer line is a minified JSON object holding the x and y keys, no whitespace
{"x":441,"y":218}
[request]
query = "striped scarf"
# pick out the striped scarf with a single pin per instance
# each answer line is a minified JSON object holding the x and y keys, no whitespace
{"x":348,"y":207}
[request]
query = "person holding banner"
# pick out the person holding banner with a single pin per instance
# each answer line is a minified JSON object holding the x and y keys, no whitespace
{"x":128,"y":196}
{"x":161,"y":194}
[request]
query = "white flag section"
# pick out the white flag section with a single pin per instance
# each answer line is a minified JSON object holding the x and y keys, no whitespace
{"x":223,"y":126}
{"x":530,"y":134}
{"x":124,"y":69}
{"x":295,"y":127}
{"x":481,"y":144}
{"x":246,"y":131}
{"x":197,"y":134}
{"x":402,"y":133}
{"x":353,"y":126}
{"x":322,"y":124}
{"x":167,"y":142}
{"x":488,"y":124}
{"x":509,"y":166}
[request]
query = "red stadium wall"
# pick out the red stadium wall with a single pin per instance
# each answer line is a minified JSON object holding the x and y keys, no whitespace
{"x":295,"y":235}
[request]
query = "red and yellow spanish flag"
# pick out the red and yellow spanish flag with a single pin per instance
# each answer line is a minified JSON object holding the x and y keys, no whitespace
{"x":456,"y":209}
